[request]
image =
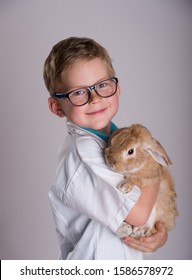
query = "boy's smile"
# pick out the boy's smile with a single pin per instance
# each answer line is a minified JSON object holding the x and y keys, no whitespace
{"x":98,"y":112}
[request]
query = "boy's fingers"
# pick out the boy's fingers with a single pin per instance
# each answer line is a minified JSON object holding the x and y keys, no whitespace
{"x":141,"y":242}
{"x":144,"y":247}
{"x":151,"y":243}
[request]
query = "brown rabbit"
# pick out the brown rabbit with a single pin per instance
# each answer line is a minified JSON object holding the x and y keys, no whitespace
{"x":133,"y":152}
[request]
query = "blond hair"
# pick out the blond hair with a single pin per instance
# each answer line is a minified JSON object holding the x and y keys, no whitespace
{"x":65,"y":53}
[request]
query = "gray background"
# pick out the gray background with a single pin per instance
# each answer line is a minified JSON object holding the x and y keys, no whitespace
{"x":150,"y":42}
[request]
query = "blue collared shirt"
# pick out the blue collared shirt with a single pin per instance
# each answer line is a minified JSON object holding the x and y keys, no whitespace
{"x":102,"y":135}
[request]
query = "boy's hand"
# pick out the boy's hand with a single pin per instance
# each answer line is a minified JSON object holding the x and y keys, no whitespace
{"x":151,"y":243}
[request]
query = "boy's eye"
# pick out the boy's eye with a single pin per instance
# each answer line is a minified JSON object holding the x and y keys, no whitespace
{"x":102,"y":85}
{"x":78,"y":93}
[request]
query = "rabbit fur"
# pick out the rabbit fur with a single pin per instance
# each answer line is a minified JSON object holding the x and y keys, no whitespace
{"x":133,"y":152}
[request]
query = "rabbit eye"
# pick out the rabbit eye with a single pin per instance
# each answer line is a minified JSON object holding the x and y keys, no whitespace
{"x":131,"y":151}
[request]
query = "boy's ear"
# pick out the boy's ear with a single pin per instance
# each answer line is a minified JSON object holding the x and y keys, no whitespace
{"x":55,"y":107}
{"x":118,"y":88}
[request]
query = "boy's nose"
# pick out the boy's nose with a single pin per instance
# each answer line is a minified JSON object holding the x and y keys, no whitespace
{"x":94,"y":97}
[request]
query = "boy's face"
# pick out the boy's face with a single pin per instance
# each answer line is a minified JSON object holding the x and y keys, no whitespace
{"x":98,"y":112}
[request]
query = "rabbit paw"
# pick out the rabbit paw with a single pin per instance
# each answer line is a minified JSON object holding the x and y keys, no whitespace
{"x":148,"y":231}
{"x":125,"y":187}
{"x":138,"y":232}
{"x":124,"y":230}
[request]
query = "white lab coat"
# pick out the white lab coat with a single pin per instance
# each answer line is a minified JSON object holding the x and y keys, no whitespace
{"x":87,"y":208}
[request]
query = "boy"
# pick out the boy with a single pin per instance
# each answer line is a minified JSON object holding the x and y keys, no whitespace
{"x":87,"y":207}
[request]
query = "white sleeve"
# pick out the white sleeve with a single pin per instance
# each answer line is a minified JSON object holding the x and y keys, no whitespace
{"x":92,"y":190}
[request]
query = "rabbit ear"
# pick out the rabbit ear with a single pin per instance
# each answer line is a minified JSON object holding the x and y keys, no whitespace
{"x":158,"y":153}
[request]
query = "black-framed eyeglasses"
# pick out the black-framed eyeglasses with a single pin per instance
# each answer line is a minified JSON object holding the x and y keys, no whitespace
{"x":81,"y":96}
